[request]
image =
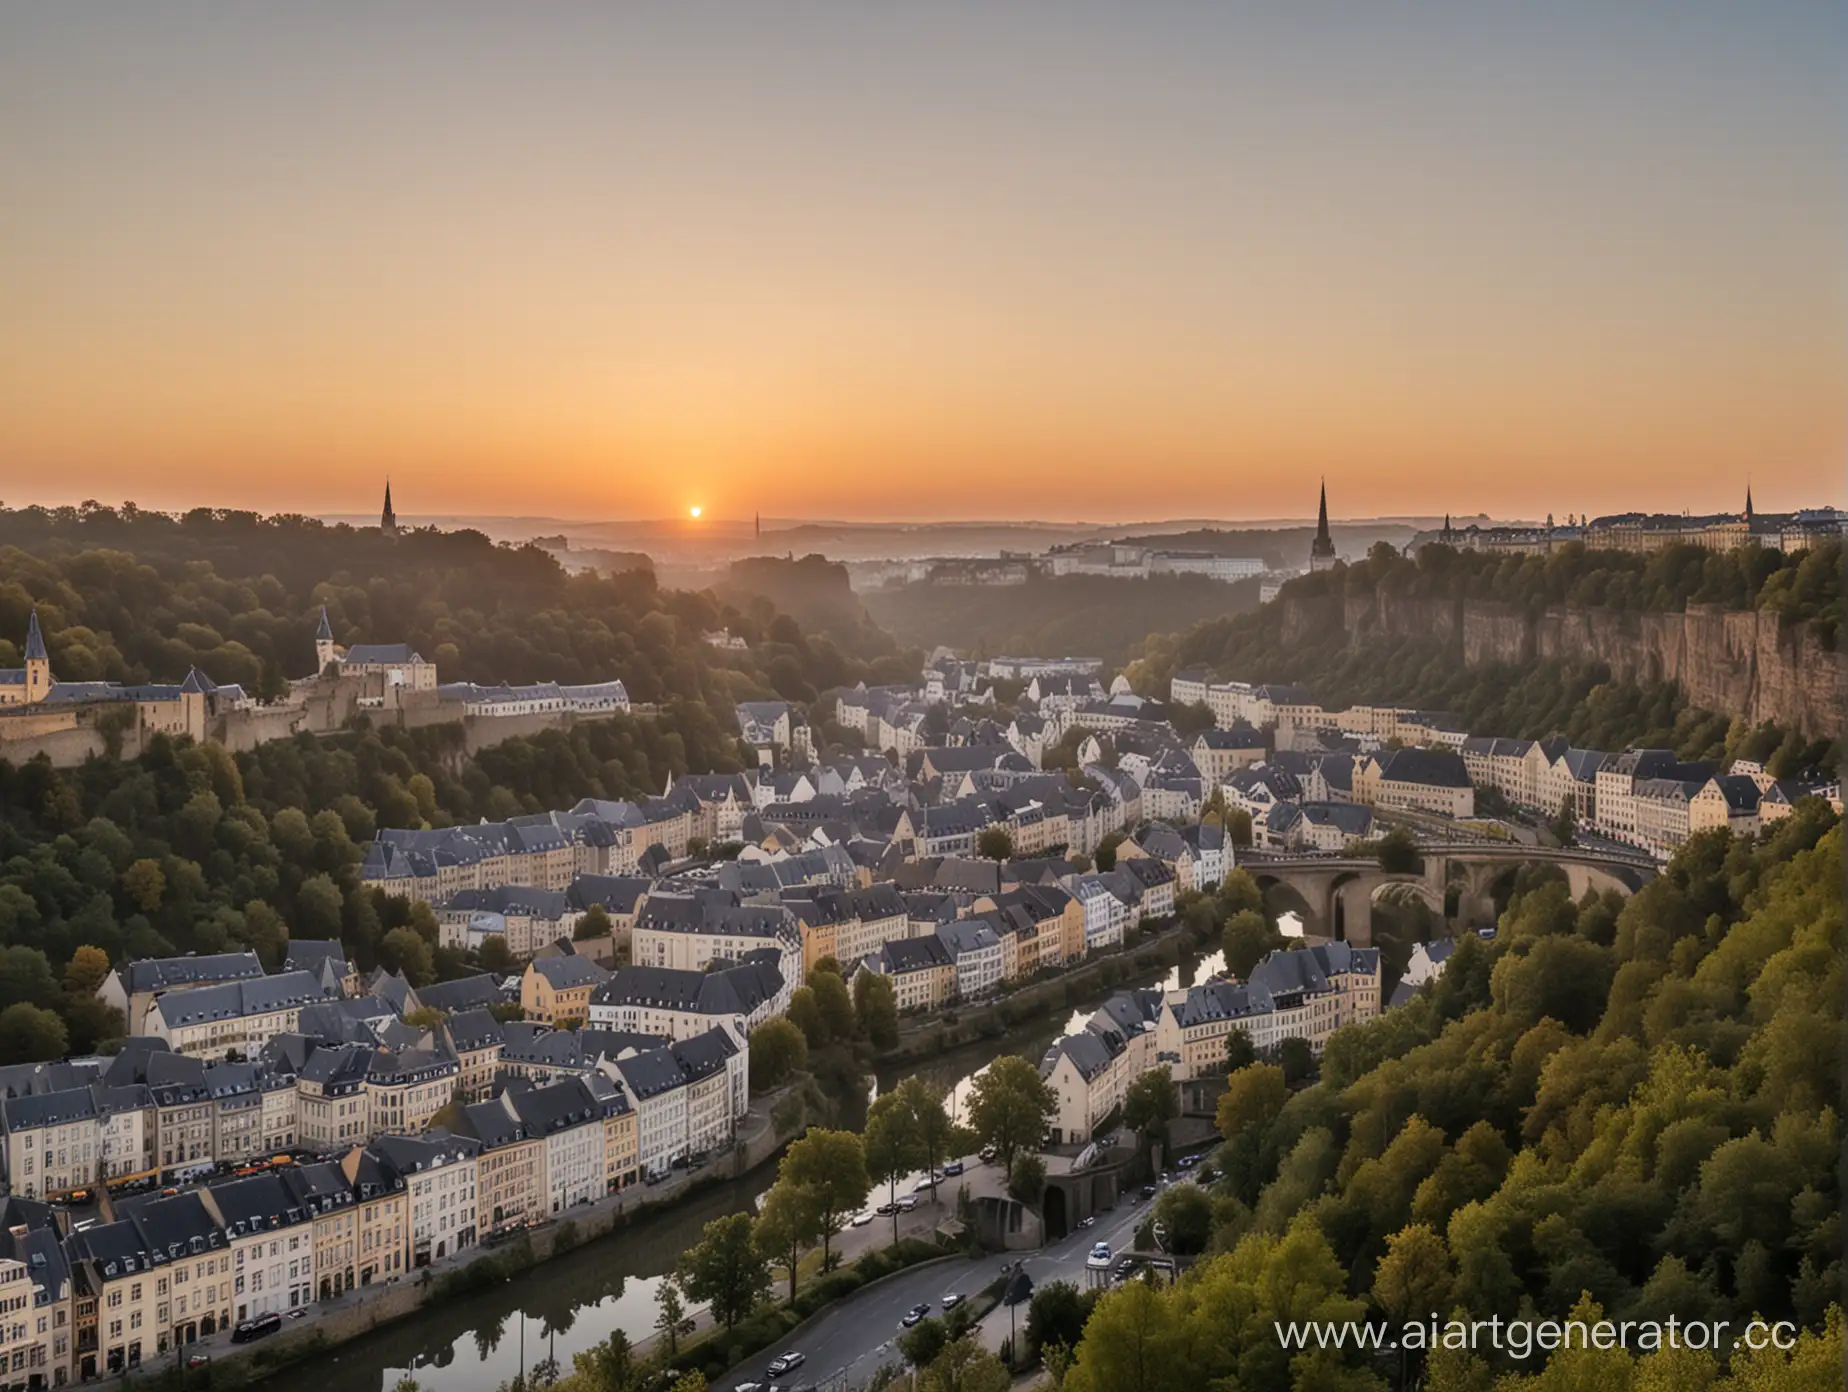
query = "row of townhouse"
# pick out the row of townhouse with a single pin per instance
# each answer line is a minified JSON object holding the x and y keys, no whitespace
{"x":1303,"y":993}
{"x":161,"y":1271}
{"x":1014,"y":933}
{"x":542,"y":851}
{"x":147,"y":1114}
{"x":1307,"y":993}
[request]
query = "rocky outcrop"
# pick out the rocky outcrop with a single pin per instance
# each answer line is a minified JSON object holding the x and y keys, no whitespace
{"x":1738,"y":662}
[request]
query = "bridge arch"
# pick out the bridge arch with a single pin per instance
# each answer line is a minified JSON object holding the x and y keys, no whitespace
{"x":1307,"y":899}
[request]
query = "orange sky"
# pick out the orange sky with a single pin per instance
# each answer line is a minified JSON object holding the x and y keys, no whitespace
{"x":938,"y":264}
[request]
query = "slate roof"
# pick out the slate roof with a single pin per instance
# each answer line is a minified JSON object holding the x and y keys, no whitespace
{"x":170,"y":973}
{"x":567,"y":973}
{"x":238,"y":999}
{"x":737,"y":990}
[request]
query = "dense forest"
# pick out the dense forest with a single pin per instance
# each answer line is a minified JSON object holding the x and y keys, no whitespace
{"x":129,"y":595}
{"x":1574,"y":699}
{"x":815,"y":592}
{"x":189,"y":848}
{"x":1067,"y":614}
{"x":1625,"y":1108}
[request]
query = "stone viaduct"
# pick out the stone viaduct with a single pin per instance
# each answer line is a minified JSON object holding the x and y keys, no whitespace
{"x":1335,"y":894}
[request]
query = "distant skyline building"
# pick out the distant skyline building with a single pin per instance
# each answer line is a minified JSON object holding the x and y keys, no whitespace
{"x":1322,"y":549}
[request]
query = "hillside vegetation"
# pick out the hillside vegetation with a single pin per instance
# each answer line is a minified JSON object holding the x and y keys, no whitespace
{"x":1092,"y":615}
{"x":1574,"y":698}
{"x":129,"y":595}
{"x":1626,"y":1108}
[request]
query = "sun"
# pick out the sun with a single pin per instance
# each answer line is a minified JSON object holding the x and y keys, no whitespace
{"x":695,"y":511}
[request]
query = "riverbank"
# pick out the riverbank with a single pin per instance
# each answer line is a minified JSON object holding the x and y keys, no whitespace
{"x":483,"y":1271}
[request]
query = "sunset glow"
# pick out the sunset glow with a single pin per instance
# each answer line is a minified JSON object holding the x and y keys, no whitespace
{"x":912,"y":262}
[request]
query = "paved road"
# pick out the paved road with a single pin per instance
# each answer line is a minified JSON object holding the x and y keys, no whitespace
{"x":857,"y":1335}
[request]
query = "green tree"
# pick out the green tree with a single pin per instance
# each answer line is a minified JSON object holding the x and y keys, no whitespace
{"x":1010,"y":1107}
{"x":1253,"y":1097}
{"x":145,"y":883}
{"x":1399,"y":852}
{"x":1296,"y":1059}
{"x":830,"y":1166}
{"x":789,"y":1221}
{"x":1238,"y":827}
{"x":923,"y":1342}
{"x":1186,"y":1214}
{"x":403,"y":950}
{"x":725,"y":1269}
{"x":994,"y":843}
{"x":671,"y":1320}
{"x":1026,"y":1179}
{"x":495,"y":956}
{"x":594,"y":922}
{"x":1149,"y":1104}
{"x":875,"y":1007}
{"x":804,"y":1013}
{"x":938,"y":1136}
{"x":1056,"y":1315}
{"x":894,"y":1147}
{"x":1248,"y":936}
{"x":25,"y":976}
{"x":835,"y":1004}
{"x":30,"y":1034}
{"x":1239,"y":1050}
{"x":318,"y":907}
{"x":778,"y":1051}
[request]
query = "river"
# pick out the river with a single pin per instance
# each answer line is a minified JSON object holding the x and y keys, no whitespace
{"x":576,"y":1301}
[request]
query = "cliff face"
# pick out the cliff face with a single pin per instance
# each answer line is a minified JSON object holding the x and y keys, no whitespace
{"x":1741,"y":663}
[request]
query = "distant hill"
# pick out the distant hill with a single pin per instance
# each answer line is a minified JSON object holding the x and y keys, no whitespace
{"x":1090,"y":614}
{"x":815,"y":592}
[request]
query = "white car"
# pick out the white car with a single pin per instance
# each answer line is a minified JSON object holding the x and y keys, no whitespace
{"x":786,"y":1363}
{"x":860,"y":1220}
{"x":1099,"y":1259}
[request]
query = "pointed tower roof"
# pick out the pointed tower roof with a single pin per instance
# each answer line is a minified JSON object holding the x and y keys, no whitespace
{"x":1323,"y":547}
{"x":388,"y":495}
{"x":1748,"y":500}
{"x":35,"y":640}
{"x":324,"y":632}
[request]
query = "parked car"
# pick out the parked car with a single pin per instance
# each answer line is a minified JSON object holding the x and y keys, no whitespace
{"x":989,"y":1153}
{"x":860,"y":1220}
{"x":1090,"y":1222}
{"x":909,"y":1202}
{"x":914,"y":1314}
{"x":786,"y":1363}
{"x":954,"y":1167}
{"x":951,"y":1301}
{"x":1148,"y":1191}
{"x":886,"y":1210}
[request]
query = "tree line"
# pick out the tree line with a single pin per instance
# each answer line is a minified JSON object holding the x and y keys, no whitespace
{"x":1534,"y":699}
{"x":1622,"y":1110}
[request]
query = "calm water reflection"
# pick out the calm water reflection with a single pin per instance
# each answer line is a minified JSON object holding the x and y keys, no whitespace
{"x":565,"y":1306}
{"x":559,"y":1308}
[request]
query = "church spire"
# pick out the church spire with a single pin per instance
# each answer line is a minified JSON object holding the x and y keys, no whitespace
{"x":1322,"y":549}
{"x":35,"y":640}
{"x":388,"y":520}
{"x":325,"y":633}
{"x":1748,"y":501}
